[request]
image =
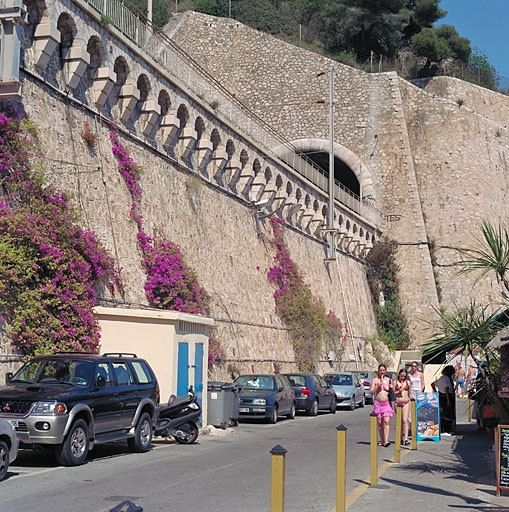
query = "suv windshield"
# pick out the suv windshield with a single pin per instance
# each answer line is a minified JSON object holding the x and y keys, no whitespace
{"x":65,"y":371}
{"x":256,"y":382}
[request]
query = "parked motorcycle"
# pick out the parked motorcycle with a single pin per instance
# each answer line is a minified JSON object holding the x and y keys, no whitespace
{"x":180,"y":418}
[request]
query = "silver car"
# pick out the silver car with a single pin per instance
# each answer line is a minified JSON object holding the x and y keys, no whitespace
{"x":8,"y":447}
{"x":348,"y":389}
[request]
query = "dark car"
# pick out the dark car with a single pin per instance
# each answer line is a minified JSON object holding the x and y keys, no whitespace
{"x":312,"y":393}
{"x":365,"y":377}
{"x":266,"y":396}
{"x":75,"y":401}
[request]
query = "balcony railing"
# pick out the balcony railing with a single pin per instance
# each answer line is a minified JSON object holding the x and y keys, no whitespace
{"x":178,"y":64}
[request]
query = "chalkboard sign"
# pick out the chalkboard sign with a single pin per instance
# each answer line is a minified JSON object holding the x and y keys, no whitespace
{"x":428,"y":416}
{"x":502,"y":447}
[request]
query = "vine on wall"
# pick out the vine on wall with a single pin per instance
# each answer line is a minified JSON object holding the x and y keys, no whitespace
{"x":171,"y":284}
{"x":302,"y":313}
{"x":382,"y":274}
{"x":48,"y":264}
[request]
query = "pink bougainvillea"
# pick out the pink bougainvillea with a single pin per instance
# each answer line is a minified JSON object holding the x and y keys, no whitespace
{"x":48,"y":264}
{"x":304,"y":314}
{"x":171,"y":283}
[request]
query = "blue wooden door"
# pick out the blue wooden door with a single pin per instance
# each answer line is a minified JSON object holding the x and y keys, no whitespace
{"x":198,"y":370}
{"x":183,"y":369}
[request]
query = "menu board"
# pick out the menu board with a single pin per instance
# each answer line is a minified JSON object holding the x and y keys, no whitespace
{"x":502,"y":447}
{"x":428,"y":416}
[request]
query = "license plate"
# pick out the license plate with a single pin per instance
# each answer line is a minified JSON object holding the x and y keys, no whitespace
{"x":14,"y":423}
{"x":243,"y":409}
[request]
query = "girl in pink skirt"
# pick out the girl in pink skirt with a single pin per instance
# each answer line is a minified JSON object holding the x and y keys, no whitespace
{"x":382,"y":406}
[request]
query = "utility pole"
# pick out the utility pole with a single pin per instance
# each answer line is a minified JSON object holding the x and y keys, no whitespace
{"x":230,"y":9}
{"x":330,"y":224}
{"x":149,"y":11}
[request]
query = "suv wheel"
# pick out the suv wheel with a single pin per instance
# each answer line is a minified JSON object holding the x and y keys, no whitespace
{"x":74,"y":450}
{"x":142,"y":435}
{"x":4,"y":459}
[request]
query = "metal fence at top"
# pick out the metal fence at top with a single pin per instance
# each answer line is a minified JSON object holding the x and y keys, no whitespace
{"x":186,"y":70}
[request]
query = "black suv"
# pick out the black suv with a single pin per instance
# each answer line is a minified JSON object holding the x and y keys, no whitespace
{"x":73,"y":401}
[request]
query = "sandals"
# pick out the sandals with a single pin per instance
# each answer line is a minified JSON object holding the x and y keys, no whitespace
{"x":380,"y":443}
{"x":406,"y":443}
{"x":387,"y":444}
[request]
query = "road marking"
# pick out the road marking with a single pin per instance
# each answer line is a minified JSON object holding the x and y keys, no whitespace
{"x":24,"y":473}
{"x":364,"y":486}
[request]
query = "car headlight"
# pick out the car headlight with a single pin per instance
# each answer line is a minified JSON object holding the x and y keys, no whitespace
{"x":49,"y":408}
{"x":259,"y":401}
{"x":341,"y":394}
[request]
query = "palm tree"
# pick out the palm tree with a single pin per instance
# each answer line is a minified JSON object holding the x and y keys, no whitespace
{"x":471,"y":328}
{"x":490,"y":255}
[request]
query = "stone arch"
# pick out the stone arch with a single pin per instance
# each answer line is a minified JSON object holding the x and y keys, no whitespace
{"x":244,"y":158}
{"x":183,"y":116}
{"x":268,"y":174}
{"x":256,"y":166}
{"x":325,"y":210}
{"x":37,"y":11}
{"x":354,"y":229}
{"x":143,"y":85}
{"x":67,"y":29}
{"x":279,"y":182}
{"x":298,"y":194}
{"x":215,"y":138}
{"x":345,"y":160}
{"x":230,"y":148}
{"x":121,"y":70}
{"x":164,"y":101}
{"x":97,"y":54}
{"x":316,"y":205}
{"x":199,"y":127}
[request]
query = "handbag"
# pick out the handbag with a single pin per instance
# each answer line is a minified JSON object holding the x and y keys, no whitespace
{"x":392,"y":395}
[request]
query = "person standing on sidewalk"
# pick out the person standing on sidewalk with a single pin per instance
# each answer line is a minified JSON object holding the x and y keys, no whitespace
{"x":446,"y":399}
{"x":382,"y":407}
{"x":403,"y":392}
{"x":460,"y":380}
{"x":416,"y":378}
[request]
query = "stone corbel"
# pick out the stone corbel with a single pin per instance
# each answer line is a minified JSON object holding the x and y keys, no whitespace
{"x":269,"y":192}
{"x":218,"y":159}
{"x":257,"y":186}
{"x":76,"y":60}
{"x":170,"y":125}
{"x":315,"y":222}
{"x":188,"y":139}
{"x":13,"y":15}
{"x":150,"y":111}
{"x":232,"y":170}
{"x":245,"y":176}
{"x":306,"y":217}
{"x":129,"y":96}
{"x":47,"y":38}
{"x":203,"y":152}
{"x":102,"y":84}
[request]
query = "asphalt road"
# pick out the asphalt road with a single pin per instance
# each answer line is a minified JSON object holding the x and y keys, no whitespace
{"x":218,"y":474}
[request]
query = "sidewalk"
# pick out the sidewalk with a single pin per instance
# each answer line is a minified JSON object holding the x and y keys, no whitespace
{"x":457,"y":473}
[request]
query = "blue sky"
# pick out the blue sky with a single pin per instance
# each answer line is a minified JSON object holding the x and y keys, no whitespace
{"x":485,"y":23}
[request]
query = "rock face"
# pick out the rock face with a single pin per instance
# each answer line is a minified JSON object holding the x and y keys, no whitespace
{"x":436,"y":150}
{"x":432,"y":168}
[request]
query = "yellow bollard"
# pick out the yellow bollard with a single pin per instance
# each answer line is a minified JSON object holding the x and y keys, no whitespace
{"x":397,"y":440}
{"x":469,"y":409}
{"x":340,"y":468}
{"x":374,"y":449}
{"x":413,"y":408}
{"x":277,"y":479}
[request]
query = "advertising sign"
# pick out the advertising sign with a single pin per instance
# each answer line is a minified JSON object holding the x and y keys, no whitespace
{"x":502,"y":453}
{"x":428,"y":416}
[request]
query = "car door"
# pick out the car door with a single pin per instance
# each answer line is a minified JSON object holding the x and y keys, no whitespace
{"x":285,"y":396}
{"x":359,"y":390}
{"x":328,"y":392}
{"x":320,"y":391}
{"x":104,"y":402}
{"x":127,"y":393}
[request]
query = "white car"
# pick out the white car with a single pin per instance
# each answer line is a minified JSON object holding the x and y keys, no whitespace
{"x":8,"y":447}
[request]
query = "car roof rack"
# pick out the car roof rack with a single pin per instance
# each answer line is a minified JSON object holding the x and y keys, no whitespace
{"x":119,"y":354}
{"x":75,"y":352}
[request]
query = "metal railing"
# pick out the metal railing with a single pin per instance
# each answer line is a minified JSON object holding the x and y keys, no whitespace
{"x":185,"y":69}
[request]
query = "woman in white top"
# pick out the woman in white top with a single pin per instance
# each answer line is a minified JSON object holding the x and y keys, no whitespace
{"x":447,"y":402}
{"x":416,"y":379}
